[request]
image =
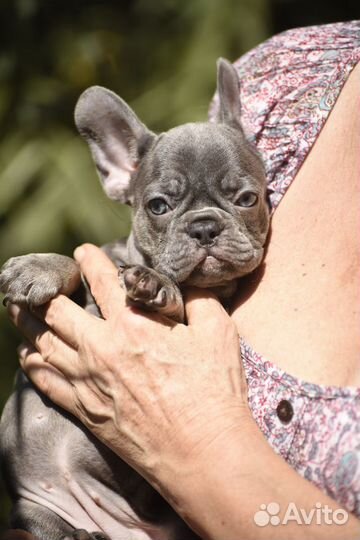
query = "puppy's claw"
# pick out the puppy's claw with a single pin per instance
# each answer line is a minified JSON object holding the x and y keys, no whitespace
{"x":151,"y":290}
{"x":161,"y":299}
{"x":121,"y":267}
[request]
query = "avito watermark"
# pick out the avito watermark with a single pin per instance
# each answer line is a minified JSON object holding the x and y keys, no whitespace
{"x":319,"y":515}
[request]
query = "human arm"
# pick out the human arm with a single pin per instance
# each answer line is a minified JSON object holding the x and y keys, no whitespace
{"x":167,"y":400}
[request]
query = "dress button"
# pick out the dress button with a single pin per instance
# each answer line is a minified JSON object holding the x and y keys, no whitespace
{"x":285,"y":411}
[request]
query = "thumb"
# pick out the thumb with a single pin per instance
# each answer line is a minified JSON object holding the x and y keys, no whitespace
{"x":102,"y":277}
{"x":203,"y":307}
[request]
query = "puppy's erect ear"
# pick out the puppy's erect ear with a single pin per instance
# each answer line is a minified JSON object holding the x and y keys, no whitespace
{"x":116,"y":137}
{"x":228,"y":89}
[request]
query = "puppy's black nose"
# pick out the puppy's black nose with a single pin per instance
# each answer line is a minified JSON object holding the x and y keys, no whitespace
{"x":204,"y":231}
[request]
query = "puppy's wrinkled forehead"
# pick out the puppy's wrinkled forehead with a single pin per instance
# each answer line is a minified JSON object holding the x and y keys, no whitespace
{"x":190,"y":148}
{"x":199,"y":154}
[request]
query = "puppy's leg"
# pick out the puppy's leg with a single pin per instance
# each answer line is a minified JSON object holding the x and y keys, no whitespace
{"x":81,"y":534}
{"x":149,"y":289}
{"x":36,"y":278}
{"x":39,"y":521}
{"x":44,"y":524}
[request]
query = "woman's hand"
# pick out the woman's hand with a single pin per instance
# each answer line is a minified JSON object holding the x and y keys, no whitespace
{"x":156,"y":392}
{"x":170,"y":399}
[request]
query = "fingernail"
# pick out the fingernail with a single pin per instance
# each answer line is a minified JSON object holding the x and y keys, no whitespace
{"x":79,"y":253}
{"x":13,"y":310}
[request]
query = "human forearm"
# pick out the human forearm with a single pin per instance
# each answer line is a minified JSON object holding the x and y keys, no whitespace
{"x":219,"y":492}
{"x":170,"y":403}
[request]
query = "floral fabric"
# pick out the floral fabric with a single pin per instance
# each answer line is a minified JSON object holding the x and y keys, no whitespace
{"x":288,"y":86}
{"x":322,"y":439}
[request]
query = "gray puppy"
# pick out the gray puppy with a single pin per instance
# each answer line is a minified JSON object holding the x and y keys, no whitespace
{"x":201,"y":217}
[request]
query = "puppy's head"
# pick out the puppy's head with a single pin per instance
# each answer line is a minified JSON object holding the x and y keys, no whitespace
{"x":198,"y":191}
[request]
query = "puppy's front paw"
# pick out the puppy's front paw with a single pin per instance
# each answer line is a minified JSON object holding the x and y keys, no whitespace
{"x":36,"y":278}
{"x":144,"y":286}
{"x":82,"y":534}
{"x":148,"y":288}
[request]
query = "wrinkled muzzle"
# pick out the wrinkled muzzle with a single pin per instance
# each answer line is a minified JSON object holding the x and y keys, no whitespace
{"x":208,"y":248}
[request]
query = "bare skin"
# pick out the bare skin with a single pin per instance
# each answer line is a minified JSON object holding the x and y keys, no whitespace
{"x":312,"y":276}
{"x":210,"y":461}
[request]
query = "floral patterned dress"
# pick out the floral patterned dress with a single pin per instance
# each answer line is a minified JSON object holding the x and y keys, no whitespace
{"x":288,"y":86}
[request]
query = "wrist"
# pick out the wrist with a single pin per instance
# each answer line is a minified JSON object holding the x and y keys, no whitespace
{"x":219,"y":491}
{"x":202,"y":429}
{"x":185,"y":476}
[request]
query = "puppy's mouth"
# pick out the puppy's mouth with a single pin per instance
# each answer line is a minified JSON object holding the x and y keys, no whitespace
{"x":211,"y":270}
{"x":211,"y":264}
{"x":214,"y":270}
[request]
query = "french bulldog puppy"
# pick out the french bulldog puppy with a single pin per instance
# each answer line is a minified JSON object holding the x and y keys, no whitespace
{"x":200,"y":217}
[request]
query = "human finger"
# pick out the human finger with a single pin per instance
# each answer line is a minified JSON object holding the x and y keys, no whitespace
{"x":51,"y":348}
{"x":202,"y":307}
{"x":46,"y":377}
{"x":67,"y":319}
{"x":102,"y":277}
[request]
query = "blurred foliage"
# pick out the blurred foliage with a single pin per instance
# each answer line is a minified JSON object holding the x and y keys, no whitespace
{"x":158,"y":55}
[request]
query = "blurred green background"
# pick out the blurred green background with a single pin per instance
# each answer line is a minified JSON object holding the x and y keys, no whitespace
{"x":158,"y":55}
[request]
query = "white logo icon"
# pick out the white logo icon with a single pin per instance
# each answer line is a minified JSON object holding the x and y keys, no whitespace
{"x":267,"y":514}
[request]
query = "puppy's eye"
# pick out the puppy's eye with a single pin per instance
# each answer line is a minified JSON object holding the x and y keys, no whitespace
{"x":158,"y":206}
{"x":247,"y":199}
